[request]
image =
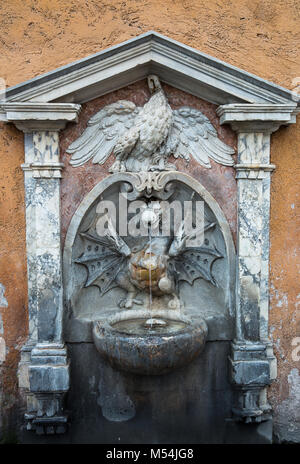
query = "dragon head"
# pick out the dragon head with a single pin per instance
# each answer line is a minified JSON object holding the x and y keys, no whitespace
{"x":151,"y":215}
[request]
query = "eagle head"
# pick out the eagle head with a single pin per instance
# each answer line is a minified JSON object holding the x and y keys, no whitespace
{"x":153,"y":83}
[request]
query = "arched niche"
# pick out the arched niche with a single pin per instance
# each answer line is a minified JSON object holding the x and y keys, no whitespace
{"x":214,"y":303}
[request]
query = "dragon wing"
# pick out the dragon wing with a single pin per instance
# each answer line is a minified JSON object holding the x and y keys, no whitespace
{"x":191,"y":263}
{"x":193,"y":134}
{"x":104,"y":258}
{"x":194,"y":263}
{"x":102,"y":133}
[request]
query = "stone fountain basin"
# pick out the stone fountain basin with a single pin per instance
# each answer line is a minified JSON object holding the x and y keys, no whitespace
{"x":123,"y":342}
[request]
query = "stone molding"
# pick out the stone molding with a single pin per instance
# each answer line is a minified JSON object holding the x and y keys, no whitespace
{"x":257,"y":117}
{"x":49,"y":381}
{"x":150,"y":53}
{"x":253,"y":171}
{"x":29,"y":117}
{"x":250,"y":374}
{"x":45,"y":171}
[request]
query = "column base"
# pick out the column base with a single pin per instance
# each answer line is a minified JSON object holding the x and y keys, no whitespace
{"x":44,"y":378}
{"x":250,"y":376}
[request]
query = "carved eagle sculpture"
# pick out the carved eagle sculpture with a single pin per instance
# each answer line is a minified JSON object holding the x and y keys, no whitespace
{"x":143,"y":138}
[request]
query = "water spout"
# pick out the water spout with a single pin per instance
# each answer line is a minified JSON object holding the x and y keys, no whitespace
{"x":150,"y":272}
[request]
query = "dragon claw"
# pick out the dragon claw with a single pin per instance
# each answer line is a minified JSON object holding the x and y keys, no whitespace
{"x":129,"y":302}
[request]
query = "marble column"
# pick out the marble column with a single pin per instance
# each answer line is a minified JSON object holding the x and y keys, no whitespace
{"x":48,"y":369}
{"x":253,"y":365}
{"x":250,"y":352}
{"x":44,"y":366}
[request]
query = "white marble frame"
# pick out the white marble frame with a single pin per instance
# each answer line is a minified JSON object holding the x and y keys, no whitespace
{"x":253,"y":365}
{"x":254,"y":108}
{"x":44,"y":366}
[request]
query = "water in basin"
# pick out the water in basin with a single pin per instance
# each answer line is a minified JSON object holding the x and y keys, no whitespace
{"x":146,"y":326}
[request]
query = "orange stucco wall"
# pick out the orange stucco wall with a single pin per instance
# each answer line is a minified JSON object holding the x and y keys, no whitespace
{"x":260,"y":36}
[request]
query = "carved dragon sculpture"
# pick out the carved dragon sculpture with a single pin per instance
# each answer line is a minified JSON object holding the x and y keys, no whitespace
{"x":157,"y":265}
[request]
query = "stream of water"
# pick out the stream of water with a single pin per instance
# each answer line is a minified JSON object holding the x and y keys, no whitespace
{"x":150,"y":271}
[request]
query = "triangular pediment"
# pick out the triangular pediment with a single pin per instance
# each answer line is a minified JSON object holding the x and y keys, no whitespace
{"x":176,"y":64}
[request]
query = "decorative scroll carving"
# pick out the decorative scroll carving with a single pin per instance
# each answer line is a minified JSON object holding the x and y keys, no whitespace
{"x":149,"y":184}
{"x":143,"y":138}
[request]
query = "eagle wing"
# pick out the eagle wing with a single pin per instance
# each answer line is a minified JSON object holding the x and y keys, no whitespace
{"x":193,"y":134}
{"x":102,"y":133}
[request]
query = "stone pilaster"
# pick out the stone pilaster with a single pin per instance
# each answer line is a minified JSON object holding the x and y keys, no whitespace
{"x":42,"y":171}
{"x":42,"y":197}
{"x":253,"y":178}
{"x":250,"y":368}
{"x":44,"y":367}
{"x":253,"y":365}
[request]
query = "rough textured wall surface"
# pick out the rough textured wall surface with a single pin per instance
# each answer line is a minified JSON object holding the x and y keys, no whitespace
{"x":13,"y":285}
{"x":284,"y":276}
{"x":260,"y":36}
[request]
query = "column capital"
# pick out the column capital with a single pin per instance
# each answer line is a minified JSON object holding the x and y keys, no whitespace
{"x":29,"y":117}
{"x":253,"y":170}
{"x":257,"y":117}
{"x":44,"y":170}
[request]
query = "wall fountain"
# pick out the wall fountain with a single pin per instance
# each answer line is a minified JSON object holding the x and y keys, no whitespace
{"x":149,"y":256}
{"x":131,"y":334}
{"x":159,"y":323}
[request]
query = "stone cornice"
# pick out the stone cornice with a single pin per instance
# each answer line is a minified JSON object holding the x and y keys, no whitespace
{"x":29,"y":116}
{"x":257,"y":117}
{"x":150,"y":53}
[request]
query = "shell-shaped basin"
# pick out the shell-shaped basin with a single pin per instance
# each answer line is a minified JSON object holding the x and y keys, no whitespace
{"x":142,"y":343}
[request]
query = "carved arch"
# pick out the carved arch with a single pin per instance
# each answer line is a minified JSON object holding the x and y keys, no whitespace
{"x":149,"y":182}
